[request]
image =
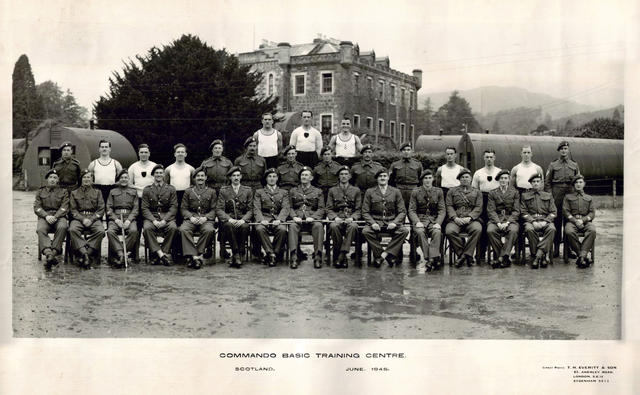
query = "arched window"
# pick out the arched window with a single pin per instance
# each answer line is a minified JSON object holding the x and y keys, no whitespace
{"x":270,"y":85}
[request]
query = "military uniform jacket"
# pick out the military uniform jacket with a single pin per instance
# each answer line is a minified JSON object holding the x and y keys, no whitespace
{"x":578,"y":206}
{"x":159,"y":202}
{"x":216,"y":169}
{"x":87,"y":202}
{"x":122,"y":199}
{"x":464,"y":204}
{"x":271,"y":205}
{"x":68,"y":172}
{"x":364,"y":174}
{"x":537,"y":206}
{"x":51,"y":201}
{"x":405,"y":173}
{"x":288,"y":174}
{"x":235,"y":206}
{"x":307,"y":202}
{"x":344,"y":203}
{"x":386,"y":208}
{"x":560,"y":171}
{"x":199,"y":203}
{"x":325,"y":174}
{"x":427,"y":205}
{"x":252,"y":167}
{"x":503,"y":207}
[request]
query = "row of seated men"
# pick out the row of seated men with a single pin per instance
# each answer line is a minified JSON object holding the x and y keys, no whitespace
{"x":283,"y":214}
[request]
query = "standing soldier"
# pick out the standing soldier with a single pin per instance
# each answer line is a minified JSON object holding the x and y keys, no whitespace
{"x":383,"y":210}
{"x":447,"y":174}
{"x":251,"y":165}
{"x":198,"y":211}
{"x":140,"y":172}
{"x":122,"y":211}
{"x":485,"y":179}
{"x":307,"y":209}
{"x":503,"y":211}
{"x":464,"y":206}
{"x":306,"y":140}
{"x":159,"y":207}
{"x":67,"y":167}
{"x":234,"y":210}
{"x":579,"y":210}
{"x":538,"y":211}
{"x":346,"y":145}
{"x":271,"y":209}
{"x":289,"y":170}
{"x":558,"y":180}
{"x":87,"y":209}
{"x":404,"y":174}
{"x":104,"y":169}
{"x":326,"y":173}
{"x":364,"y":172}
{"x":51,"y":206}
{"x":269,"y":141}
{"x":179,"y":174}
{"x":343,"y":209}
{"x":217,"y":166}
{"x":522,"y":171}
{"x":426,"y":213}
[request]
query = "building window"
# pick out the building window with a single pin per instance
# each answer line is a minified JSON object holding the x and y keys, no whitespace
{"x":392,"y":130}
{"x":370,"y":123}
{"x":370,"y":85}
{"x":356,"y":83}
{"x":412,"y":132}
{"x":326,"y":82}
{"x":411,"y":100}
{"x":356,"y":121}
{"x":381,"y":126}
{"x":299,"y":84}
{"x":326,"y":123}
{"x":403,"y":92}
{"x":270,"y":85}
{"x":392,"y":93}
{"x":381,"y":90}
{"x":403,"y":132}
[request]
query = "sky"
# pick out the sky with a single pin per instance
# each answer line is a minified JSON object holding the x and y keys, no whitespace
{"x":568,"y":49}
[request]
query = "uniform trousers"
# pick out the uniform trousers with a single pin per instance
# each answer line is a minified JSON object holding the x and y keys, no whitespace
{"x":559,"y":191}
{"x":547,"y":238}
{"x":151,"y":233}
{"x":342,"y":235}
{"x":307,"y":158}
{"x":510,"y":234}
{"x":317,"y":231}
{"x":131,"y":237}
{"x":272,"y":161}
{"x":94,"y":232}
{"x":473,"y":229}
{"x":207,"y":234}
{"x":483,"y":240}
{"x":59,"y":230}
{"x":571,"y":233}
{"x":422,"y":235}
{"x":398,"y":234}
{"x":237,"y":236}
{"x":279,"y":232}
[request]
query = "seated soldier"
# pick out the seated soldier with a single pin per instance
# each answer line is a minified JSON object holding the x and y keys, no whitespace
{"x":307,"y":209}
{"x":289,"y":170}
{"x":234,"y":210}
{"x":122,"y":211}
{"x":538,"y":211}
{"x":426,"y":213}
{"x":271,"y":209}
{"x":51,"y":206}
{"x":503,"y":211}
{"x":464,"y":206}
{"x":383,"y":209}
{"x":344,"y":204}
{"x":87,"y":209}
{"x":198,"y":211}
{"x":579,"y":210}
{"x":159,"y":208}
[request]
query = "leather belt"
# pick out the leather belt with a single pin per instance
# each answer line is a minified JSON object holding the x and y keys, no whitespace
{"x":121,"y":210}
{"x":407,"y":186}
{"x":87,"y":212}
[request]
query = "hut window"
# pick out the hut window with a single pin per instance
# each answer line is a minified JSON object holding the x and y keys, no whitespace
{"x":44,"y":156}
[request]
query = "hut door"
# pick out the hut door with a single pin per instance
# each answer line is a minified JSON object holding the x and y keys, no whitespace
{"x":44,"y":162}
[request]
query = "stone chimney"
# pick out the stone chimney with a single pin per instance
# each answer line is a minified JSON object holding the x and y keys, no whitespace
{"x":284,"y":53}
{"x":417,"y":73}
{"x":346,"y":52}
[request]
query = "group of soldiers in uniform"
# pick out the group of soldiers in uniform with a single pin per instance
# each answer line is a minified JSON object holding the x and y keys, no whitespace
{"x":271,"y":206}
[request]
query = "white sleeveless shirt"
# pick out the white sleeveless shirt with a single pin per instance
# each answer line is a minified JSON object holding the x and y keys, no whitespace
{"x":104,"y":174}
{"x":523,"y":173}
{"x":449,"y":175}
{"x":180,"y":177}
{"x":267,"y":144}
{"x":346,"y":149}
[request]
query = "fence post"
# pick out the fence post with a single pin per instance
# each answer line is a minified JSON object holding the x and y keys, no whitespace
{"x":615,"y":205}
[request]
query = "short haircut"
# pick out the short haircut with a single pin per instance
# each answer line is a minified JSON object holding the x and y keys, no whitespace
{"x":143,"y":145}
{"x":346,"y":118}
{"x":526,"y":146}
{"x":179,"y":145}
{"x":489,"y":151}
{"x":453,"y":148}
{"x":309,"y":111}
{"x":104,"y":141}
{"x":264,"y":114}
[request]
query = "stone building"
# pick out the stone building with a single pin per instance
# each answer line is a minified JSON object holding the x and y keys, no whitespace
{"x":334,"y":79}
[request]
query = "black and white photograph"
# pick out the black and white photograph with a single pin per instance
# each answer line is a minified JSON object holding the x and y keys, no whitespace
{"x":217,"y":170}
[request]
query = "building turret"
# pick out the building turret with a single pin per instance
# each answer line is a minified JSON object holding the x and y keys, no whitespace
{"x":417,"y":73}
{"x":284,"y":54}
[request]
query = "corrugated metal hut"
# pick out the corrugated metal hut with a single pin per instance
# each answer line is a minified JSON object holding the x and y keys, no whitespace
{"x":436,"y":143}
{"x":44,"y":149}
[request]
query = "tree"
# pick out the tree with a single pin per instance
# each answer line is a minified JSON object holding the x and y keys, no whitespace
{"x":184,"y":92}
{"x":453,"y":115}
{"x":424,"y":118}
{"x":61,"y":106}
{"x":603,"y":128}
{"x":547,"y":119}
{"x":616,"y":116}
{"x":496,"y":127}
{"x":568,"y":126}
{"x":26,"y":107}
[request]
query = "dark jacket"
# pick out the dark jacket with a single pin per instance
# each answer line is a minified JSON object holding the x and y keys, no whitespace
{"x":427,"y":206}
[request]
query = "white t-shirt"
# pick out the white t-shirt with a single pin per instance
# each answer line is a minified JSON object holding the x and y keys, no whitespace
{"x":481,"y":179}
{"x":449,"y":175}
{"x":137,"y":179}
{"x":180,"y":176}
{"x":523,"y":173}
{"x":346,"y":149}
{"x":313,"y":141}
{"x":267,"y":144}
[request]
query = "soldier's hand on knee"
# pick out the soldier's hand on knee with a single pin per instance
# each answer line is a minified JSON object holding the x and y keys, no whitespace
{"x":194,"y":220}
{"x":156,"y":223}
{"x":264,"y":222}
{"x":276,"y":222}
{"x":119,"y":223}
{"x":310,"y":219}
{"x":419,"y":225}
{"x":239,"y":223}
{"x":375,"y":227}
{"x":127,"y":223}
{"x":580,"y":224}
{"x":339,"y":220}
{"x":392,"y":226}
{"x":86,"y":222}
{"x":437,"y":226}
{"x":202,"y":220}
{"x":297,"y":220}
{"x":51,"y":219}
{"x":458,"y":221}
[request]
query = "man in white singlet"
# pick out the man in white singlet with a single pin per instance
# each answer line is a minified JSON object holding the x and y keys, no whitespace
{"x":269,"y":141}
{"x":345,"y":144}
{"x":104,"y":169}
{"x":521,"y":172}
{"x":178,"y":175}
{"x":447,"y":174}
{"x":307,"y":140}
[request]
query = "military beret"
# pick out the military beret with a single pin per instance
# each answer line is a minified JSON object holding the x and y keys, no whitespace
{"x":426,"y":172}
{"x":341,"y":168}
{"x":305,"y":168}
{"x":325,"y":149}
{"x":288,"y":148}
{"x":501,"y":173}
{"x":66,"y":144}
{"x":576,"y":178}
{"x":156,"y":167}
{"x":463,"y":172}
{"x":534,"y":176}
{"x":50,"y":172}
{"x":270,"y":170}
{"x":383,"y":170}
{"x":563,"y":144}
{"x":198,"y":170}
{"x":405,"y":144}
{"x":249,"y":141}
{"x":121,"y":173}
{"x":85,"y":171}
{"x":214,"y":142}
{"x":366,"y":147}
{"x":232,"y":170}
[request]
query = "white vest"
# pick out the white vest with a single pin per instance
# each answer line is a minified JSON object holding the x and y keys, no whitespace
{"x":268,"y":144}
{"x":346,"y":149}
{"x":104,"y":174}
{"x":449,"y":176}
